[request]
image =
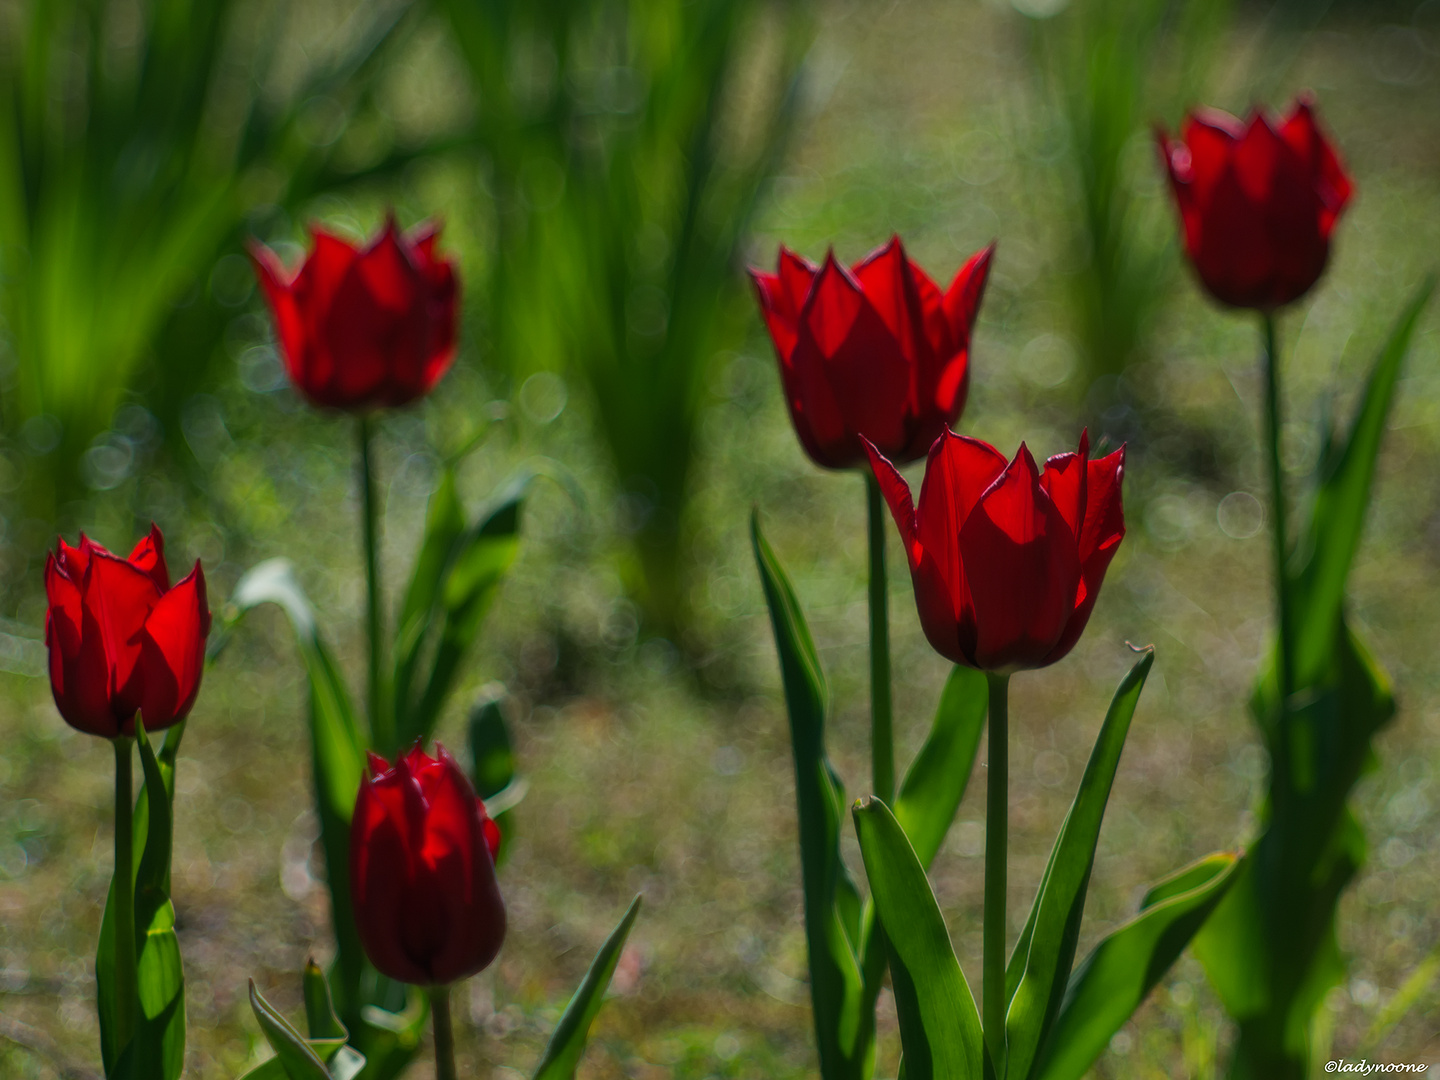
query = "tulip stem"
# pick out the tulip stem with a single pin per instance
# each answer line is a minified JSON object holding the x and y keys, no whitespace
{"x":997,"y":821}
{"x":1284,"y":673}
{"x":123,"y":892}
{"x":369,"y":509}
{"x":882,"y":740}
{"x":444,"y":1033}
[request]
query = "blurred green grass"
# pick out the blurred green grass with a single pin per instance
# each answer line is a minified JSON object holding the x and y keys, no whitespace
{"x":921,"y":118}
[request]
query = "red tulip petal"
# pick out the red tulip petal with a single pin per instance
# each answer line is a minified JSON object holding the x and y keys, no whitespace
{"x":1100,"y":536}
{"x":897,"y":496}
{"x":379,"y":879}
{"x":79,"y":673}
{"x":290,"y":325}
{"x":782,"y":295}
{"x":173,"y":652}
{"x":845,"y":345}
{"x":492,"y":834}
{"x":1209,"y":137}
{"x":1021,"y":569}
{"x":72,"y":561}
{"x":119,"y":598}
{"x":149,"y":556}
{"x":962,"y":299}
{"x":886,"y":278}
{"x":1302,"y":132}
{"x":1064,"y":481}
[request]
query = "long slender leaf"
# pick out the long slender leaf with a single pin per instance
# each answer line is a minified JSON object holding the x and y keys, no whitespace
{"x":337,"y":750}
{"x":1054,"y":925}
{"x":936,"y":780}
{"x":939,"y":1026}
{"x":476,"y":564}
{"x":1109,"y":985}
{"x":835,"y":924}
{"x":1337,"y":515}
{"x":567,"y":1043}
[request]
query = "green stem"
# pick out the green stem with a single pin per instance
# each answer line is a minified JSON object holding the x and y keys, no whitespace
{"x":882,"y":740}
{"x":123,"y":884}
{"x":369,"y":510}
{"x":444,"y":1033}
{"x":997,"y":824}
{"x":1285,"y":670}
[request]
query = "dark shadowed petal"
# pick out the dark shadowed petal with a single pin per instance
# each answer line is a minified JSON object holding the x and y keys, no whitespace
{"x":1332,"y":183}
{"x":79,"y":674}
{"x":1021,"y":569}
{"x":380,"y":877}
{"x":172,"y":656}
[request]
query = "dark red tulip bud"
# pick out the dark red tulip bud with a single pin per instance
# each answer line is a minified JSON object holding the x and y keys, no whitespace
{"x":364,"y":329}
{"x":1258,"y":202}
{"x":1006,"y":560}
{"x":121,"y":639}
{"x":877,"y":350}
{"x":422,"y":871}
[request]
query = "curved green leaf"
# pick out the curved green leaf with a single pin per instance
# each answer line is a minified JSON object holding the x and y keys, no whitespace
{"x":567,"y":1043}
{"x":935,"y":783}
{"x":1047,"y":945}
{"x":836,"y":925}
{"x":295,"y":1056}
{"x":1337,"y":513}
{"x":475,"y":565}
{"x":337,"y":752}
{"x":939,"y":1026}
{"x":1114,"y":979}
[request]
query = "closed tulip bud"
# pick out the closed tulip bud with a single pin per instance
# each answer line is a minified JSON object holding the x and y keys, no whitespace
{"x":120,"y":639}
{"x":1258,"y":202}
{"x":422,"y":871}
{"x":1006,"y":560}
{"x":877,"y":350}
{"x":363,"y":329}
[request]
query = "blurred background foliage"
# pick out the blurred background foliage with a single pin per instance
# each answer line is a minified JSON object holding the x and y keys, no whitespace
{"x":549,"y":138}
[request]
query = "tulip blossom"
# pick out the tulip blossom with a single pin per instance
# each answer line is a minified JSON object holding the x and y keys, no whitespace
{"x":1006,"y":560}
{"x":362,"y":329}
{"x":121,"y":640}
{"x":877,"y":350}
{"x":1258,"y":202}
{"x":422,"y":871}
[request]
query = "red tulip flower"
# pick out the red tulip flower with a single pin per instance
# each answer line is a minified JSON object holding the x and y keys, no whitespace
{"x":1258,"y":202}
{"x":364,"y":329}
{"x":121,"y":640}
{"x":877,"y":350}
{"x":422,"y":871}
{"x":1006,"y":560}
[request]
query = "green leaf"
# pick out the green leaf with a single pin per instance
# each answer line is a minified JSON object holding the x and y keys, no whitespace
{"x":295,"y":1056}
{"x":1114,"y":979}
{"x":337,"y":752}
{"x":321,"y":1020}
{"x":1046,"y":949}
{"x":444,"y":524}
{"x":939,"y":1026}
{"x":1338,"y":511}
{"x":567,"y":1043}
{"x":936,"y":780}
{"x":493,"y":768}
{"x":272,"y":1069}
{"x":836,"y":929}
{"x":476,"y":564}
{"x":159,"y":1046}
